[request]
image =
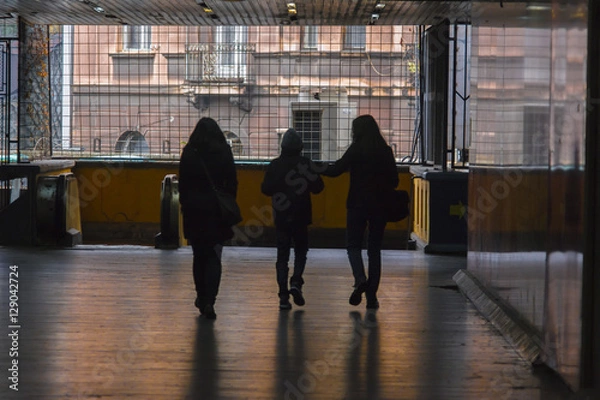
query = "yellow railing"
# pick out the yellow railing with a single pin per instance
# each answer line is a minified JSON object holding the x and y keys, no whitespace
{"x":421,"y":208}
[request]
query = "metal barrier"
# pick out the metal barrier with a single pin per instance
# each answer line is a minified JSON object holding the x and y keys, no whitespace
{"x":42,"y":204}
{"x":57,"y":218}
{"x":170,"y":235}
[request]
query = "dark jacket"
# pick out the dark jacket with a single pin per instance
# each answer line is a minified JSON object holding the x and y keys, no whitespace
{"x":371,"y":175}
{"x":289,"y":180}
{"x":201,"y":221}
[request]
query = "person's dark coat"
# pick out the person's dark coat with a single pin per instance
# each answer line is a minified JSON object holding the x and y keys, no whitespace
{"x":289,"y":180}
{"x":201,"y":216}
{"x":372,"y":175}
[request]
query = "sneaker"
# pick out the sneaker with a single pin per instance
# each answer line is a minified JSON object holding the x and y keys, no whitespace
{"x":284,"y":304}
{"x":209,"y":312}
{"x":356,"y":296}
{"x":296,"y":293}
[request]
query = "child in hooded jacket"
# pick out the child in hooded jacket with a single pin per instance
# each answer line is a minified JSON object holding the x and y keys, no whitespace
{"x":289,"y":181}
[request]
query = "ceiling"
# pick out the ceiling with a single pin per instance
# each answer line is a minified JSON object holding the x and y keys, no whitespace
{"x":231,"y":12}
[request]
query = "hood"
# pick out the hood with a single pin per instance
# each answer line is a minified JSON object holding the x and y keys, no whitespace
{"x":291,"y":142}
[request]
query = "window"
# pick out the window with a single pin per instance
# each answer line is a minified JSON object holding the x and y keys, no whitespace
{"x":308,"y":125}
{"x":310,"y":37}
{"x":8,"y":28}
{"x":136,"y":38}
{"x":231,"y":54}
{"x":355,"y":38}
{"x":535,"y":133}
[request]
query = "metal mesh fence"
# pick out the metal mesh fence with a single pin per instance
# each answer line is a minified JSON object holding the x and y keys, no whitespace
{"x":137,"y":92}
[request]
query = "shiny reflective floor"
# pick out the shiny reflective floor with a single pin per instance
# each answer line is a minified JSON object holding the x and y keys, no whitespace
{"x":119,"y":323}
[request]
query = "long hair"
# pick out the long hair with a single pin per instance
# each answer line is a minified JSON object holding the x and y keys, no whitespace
{"x":207,"y":134}
{"x":366,"y":134}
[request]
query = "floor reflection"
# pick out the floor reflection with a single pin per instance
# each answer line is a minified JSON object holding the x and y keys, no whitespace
{"x":426,"y":342}
{"x":205,"y":377}
{"x":363,"y":357}
{"x":290,"y":357}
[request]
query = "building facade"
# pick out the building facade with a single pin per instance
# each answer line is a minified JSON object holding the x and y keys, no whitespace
{"x":139,"y":91}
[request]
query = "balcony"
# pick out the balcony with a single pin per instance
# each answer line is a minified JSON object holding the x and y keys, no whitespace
{"x":219,"y":63}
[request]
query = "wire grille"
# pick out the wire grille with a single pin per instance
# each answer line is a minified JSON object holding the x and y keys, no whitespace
{"x":118,"y":99}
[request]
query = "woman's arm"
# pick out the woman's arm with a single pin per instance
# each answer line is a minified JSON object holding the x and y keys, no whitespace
{"x":183,"y":184}
{"x":392,"y":171}
{"x":231,"y":182}
{"x":316,"y":185}
{"x":342,"y":165}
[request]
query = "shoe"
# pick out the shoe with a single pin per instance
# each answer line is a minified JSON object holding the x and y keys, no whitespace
{"x":198,"y":304}
{"x":372,"y":304}
{"x":209,"y":312}
{"x":296,"y":293}
{"x":356,"y":296}
{"x":284,"y":304}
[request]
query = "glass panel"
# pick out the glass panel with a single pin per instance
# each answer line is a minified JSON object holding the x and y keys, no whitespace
{"x":136,"y":37}
{"x":310,"y":37}
{"x":355,"y":37}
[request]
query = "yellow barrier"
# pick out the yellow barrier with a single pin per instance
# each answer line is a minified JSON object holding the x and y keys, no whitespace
{"x":421,"y":208}
{"x":121,"y":203}
{"x":440,"y":204}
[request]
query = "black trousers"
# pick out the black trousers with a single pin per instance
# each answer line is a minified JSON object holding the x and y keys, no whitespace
{"x":287,"y":237}
{"x":358,"y":221}
{"x":207,"y":271}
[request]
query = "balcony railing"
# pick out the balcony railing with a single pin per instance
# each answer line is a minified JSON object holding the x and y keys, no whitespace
{"x":218,"y":62}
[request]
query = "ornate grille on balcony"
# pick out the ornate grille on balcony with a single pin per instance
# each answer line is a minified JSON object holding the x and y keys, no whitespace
{"x":218,"y":62}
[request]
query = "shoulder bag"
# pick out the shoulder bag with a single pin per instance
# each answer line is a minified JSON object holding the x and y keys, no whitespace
{"x":230,"y":211}
{"x":396,"y":205}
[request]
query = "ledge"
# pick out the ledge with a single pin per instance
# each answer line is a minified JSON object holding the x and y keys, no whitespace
{"x":168,"y":163}
{"x":436,"y":173}
{"x":10,"y":171}
{"x":126,"y":54}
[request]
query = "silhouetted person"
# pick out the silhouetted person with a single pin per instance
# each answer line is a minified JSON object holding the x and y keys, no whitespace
{"x":372,"y":173}
{"x":202,"y":225}
{"x":289,"y":180}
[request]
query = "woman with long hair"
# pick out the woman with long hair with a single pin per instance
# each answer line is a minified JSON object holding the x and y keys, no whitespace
{"x":373,"y":173}
{"x":206,"y":153}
